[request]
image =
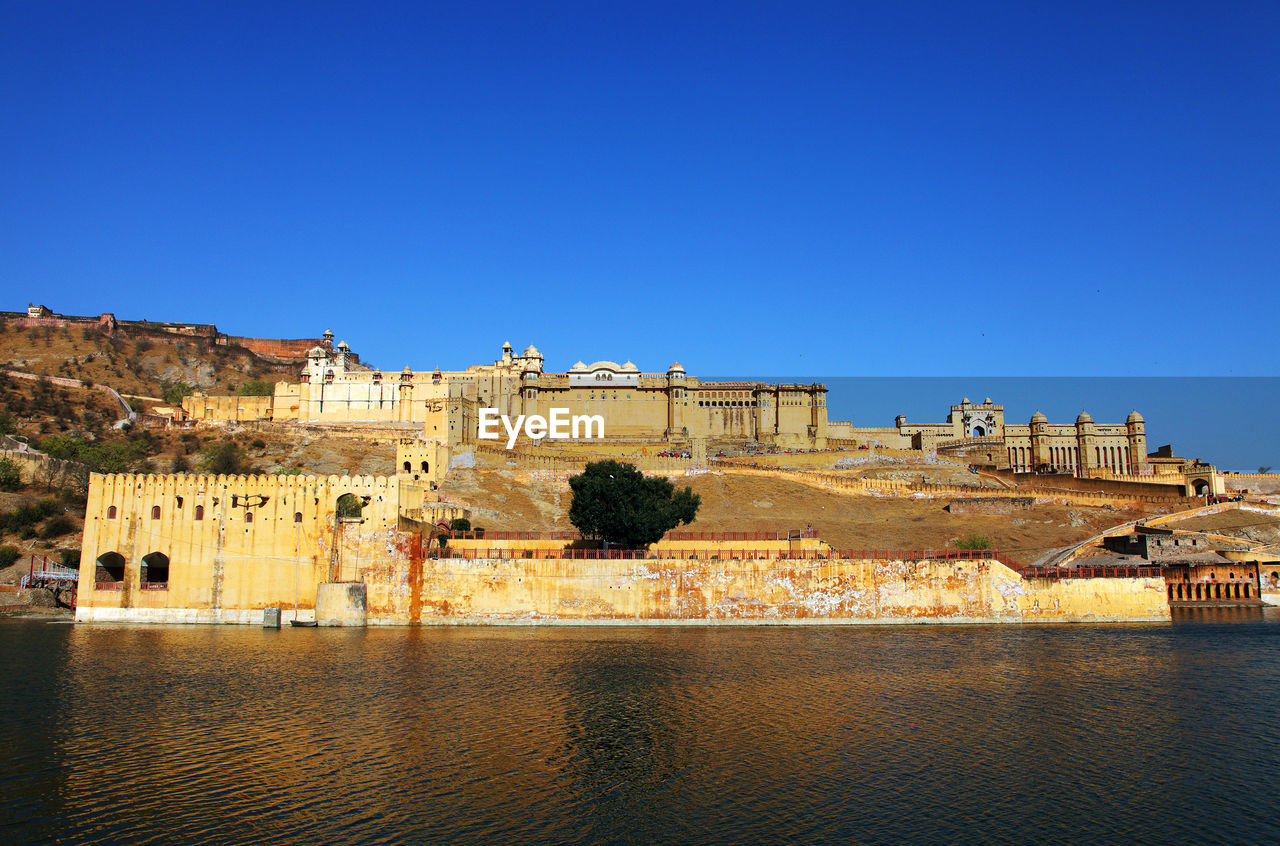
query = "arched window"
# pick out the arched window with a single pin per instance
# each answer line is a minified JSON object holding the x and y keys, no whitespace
{"x":297,"y":516}
{"x":111,"y":513}
{"x":425,"y":467}
{"x":155,"y":512}
{"x":407,"y":467}
{"x":248,"y":516}
{"x":199,"y":512}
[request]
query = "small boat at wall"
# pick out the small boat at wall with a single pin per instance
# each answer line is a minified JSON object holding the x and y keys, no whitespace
{"x":303,"y":624}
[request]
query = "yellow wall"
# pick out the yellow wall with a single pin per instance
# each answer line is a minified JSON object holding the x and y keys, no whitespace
{"x":222,"y":567}
{"x":227,"y":409}
{"x":537,"y":590}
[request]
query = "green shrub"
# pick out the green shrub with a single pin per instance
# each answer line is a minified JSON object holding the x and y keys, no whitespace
{"x":460,"y":524}
{"x":56,"y":527}
{"x":975,"y":542}
{"x":10,"y":474}
{"x":175,"y":392}
{"x":223,"y":459}
{"x":8,"y":555}
{"x":69,"y":557}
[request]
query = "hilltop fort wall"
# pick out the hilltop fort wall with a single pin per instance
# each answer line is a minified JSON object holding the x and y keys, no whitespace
{"x":276,"y":349}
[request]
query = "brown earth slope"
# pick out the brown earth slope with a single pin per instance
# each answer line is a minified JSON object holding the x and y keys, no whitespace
{"x":501,"y":500}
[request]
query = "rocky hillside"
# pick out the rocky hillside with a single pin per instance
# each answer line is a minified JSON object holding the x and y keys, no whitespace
{"x":134,"y":364}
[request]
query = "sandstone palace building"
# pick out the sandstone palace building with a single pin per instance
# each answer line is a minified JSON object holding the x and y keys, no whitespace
{"x":673,"y":407}
{"x":979,"y":432}
{"x":335,"y":388}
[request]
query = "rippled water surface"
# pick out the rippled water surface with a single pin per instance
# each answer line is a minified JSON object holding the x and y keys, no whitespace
{"x":696,"y":735}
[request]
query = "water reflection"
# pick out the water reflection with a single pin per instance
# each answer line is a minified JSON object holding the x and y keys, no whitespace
{"x":700,"y":735}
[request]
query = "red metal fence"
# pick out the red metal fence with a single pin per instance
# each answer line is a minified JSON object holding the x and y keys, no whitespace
{"x":1057,"y":573}
{"x":724,"y":554}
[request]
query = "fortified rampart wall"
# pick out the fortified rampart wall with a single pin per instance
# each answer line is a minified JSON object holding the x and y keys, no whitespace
{"x":406,"y":588}
{"x":1264,"y":483}
{"x":228,"y":545}
{"x":455,"y":591}
{"x":828,"y":459}
{"x":851,"y":485}
{"x":558,"y":467}
{"x":36,"y":468}
{"x":291,"y":349}
{"x":1140,"y":485}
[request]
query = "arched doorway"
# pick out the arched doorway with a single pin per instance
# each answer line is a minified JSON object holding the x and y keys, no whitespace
{"x":110,"y":567}
{"x":979,"y":432}
{"x":155,"y":568}
{"x":1200,"y":486}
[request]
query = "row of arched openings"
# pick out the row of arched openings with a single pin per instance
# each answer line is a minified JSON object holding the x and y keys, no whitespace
{"x":111,"y":568}
{"x":1207,"y":591}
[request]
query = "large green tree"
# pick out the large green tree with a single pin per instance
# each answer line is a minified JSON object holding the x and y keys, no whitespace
{"x":619,"y":504}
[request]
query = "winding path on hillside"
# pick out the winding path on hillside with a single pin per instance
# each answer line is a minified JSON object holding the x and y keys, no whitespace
{"x":128,"y":414}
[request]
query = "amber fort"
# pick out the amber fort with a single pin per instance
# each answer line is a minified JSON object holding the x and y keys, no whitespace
{"x":378,"y":549}
{"x":383,"y":548}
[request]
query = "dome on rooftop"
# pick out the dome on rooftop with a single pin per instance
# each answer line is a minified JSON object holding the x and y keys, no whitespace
{"x":1084,"y":417}
{"x":342,"y":345}
{"x":531,"y":352}
{"x":1134,"y":417}
{"x":675,"y":368}
{"x":1039,"y":417}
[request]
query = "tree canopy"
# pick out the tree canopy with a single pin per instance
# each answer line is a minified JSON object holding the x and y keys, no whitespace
{"x":620,"y":505}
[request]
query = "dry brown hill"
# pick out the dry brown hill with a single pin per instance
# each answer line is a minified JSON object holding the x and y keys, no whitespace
{"x":501,"y":499}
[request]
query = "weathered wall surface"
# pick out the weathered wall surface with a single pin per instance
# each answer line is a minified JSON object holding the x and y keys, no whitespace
{"x":36,"y":468}
{"x":227,"y":409}
{"x":530,"y":591}
{"x":990,"y":505}
{"x":1262,"y":483}
{"x":403,"y":588}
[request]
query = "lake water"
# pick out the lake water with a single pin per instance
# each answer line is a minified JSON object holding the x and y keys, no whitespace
{"x":970,"y":734}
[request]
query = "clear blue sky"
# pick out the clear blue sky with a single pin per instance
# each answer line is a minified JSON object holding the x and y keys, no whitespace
{"x":768,"y":188}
